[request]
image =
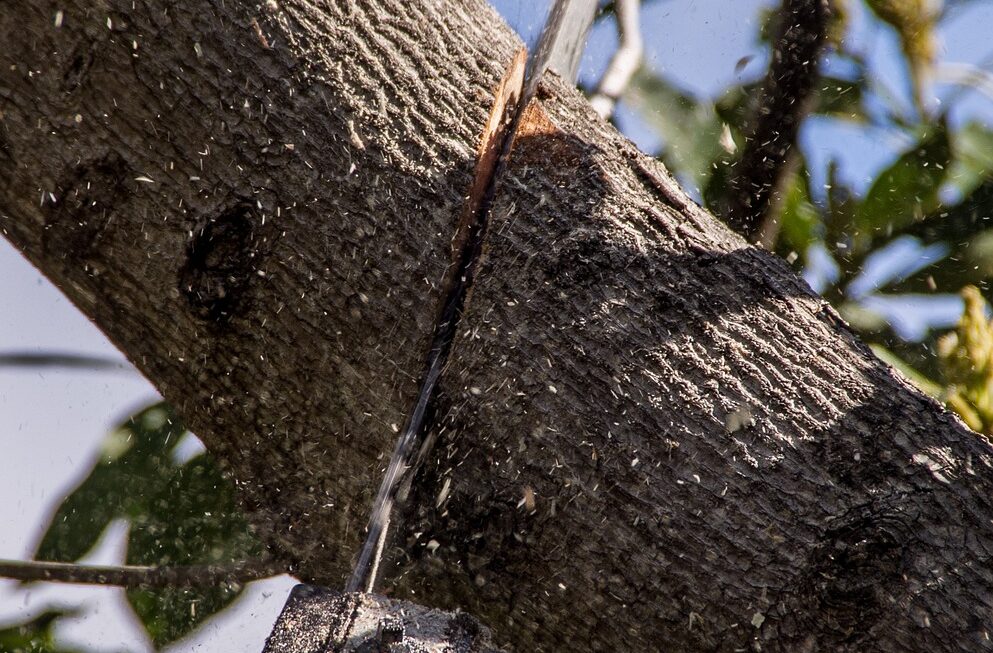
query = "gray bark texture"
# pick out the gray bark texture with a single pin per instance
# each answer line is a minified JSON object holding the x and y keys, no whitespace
{"x":649,"y":436}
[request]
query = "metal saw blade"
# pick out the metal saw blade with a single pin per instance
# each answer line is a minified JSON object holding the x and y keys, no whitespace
{"x":561,"y":44}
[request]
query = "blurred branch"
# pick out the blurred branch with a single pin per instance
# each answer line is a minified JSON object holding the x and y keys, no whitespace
{"x":64,"y":359}
{"x":625,"y":61}
{"x":785,"y":100}
{"x":915,"y":23}
{"x":965,"y":75}
{"x":139,"y":576}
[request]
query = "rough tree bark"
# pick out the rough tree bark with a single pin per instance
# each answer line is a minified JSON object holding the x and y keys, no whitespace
{"x":649,"y":435}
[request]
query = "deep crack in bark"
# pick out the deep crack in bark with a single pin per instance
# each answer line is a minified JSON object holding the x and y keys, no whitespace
{"x":495,"y":146}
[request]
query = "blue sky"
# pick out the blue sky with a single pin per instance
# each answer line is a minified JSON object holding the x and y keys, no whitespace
{"x":52,"y":421}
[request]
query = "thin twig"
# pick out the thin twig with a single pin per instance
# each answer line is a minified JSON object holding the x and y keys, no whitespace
{"x":259,"y":35}
{"x":139,"y":576}
{"x":625,"y":61}
{"x":786,"y":94}
{"x":64,"y":359}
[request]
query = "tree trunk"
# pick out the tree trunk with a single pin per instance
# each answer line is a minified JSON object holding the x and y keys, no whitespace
{"x":649,"y":435}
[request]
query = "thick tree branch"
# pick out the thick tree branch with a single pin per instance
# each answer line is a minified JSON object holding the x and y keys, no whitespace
{"x":258,"y":160}
{"x":594,"y":485}
{"x":784,"y":102}
{"x":132,"y":576}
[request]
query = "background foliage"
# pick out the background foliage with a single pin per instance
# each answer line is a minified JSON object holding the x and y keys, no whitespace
{"x":180,"y":512}
{"x":922,"y":228}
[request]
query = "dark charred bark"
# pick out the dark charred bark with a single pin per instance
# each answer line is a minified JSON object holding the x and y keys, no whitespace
{"x":649,"y":435}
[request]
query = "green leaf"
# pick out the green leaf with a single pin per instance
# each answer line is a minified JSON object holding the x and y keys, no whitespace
{"x":192,"y":520}
{"x":861,"y":318}
{"x":156,"y":431}
{"x":84,"y":515}
{"x":800,"y":220}
{"x":736,"y":105}
{"x":973,"y":162}
{"x":923,"y":383}
{"x":967,"y":228}
{"x":180,"y":514}
{"x":168,"y":614}
{"x":836,"y":97}
{"x":131,"y":461}
{"x":841,"y":98}
{"x":34,"y":636}
{"x":690,"y":128}
{"x":907,"y":190}
{"x":961,"y":226}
